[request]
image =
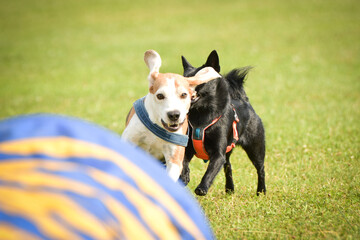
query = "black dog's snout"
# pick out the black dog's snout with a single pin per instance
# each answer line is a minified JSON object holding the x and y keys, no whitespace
{"x":174,"y":115}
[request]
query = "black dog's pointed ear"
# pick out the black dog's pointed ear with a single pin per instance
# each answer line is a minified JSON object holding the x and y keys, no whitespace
{"x":185,"y":63}
{"x":213,"y":61}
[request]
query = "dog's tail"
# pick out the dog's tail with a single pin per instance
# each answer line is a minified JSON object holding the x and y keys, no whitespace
{"x":236,"y":79}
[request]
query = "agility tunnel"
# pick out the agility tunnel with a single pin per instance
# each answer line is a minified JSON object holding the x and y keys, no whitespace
{"x":65,"y":178}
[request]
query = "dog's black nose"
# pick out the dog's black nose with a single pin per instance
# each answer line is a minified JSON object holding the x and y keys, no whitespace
{"x":174,"y":115}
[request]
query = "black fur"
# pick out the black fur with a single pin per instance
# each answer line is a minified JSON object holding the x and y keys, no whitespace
{"x":218,"y":97}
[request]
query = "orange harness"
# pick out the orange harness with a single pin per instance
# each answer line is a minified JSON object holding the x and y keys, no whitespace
{"x":198,"y":136}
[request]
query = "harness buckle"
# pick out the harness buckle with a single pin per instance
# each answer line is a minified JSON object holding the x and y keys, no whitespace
{"x":236,"y":116}
{"x":197,"y":135}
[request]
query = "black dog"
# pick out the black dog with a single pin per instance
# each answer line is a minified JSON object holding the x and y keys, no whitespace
{"x":221,"y":117}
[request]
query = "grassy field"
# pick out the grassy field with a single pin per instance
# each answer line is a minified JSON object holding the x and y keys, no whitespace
{"x":85,"y":59}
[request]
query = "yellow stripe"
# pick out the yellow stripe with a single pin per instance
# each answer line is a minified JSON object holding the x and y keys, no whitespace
{"x":36,"y":180}
{"x":13,"y":233}
{"x":24,"y":172}
{"x":152,"y":214}
{"x":33,"y":163}
{"x":39,"y":208}
{"x":129,"y":224}
{"x":35,"y":207}
{"x":67,"y":147}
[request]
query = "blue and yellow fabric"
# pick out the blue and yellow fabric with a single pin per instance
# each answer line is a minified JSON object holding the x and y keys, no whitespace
{"x":64,"y":178}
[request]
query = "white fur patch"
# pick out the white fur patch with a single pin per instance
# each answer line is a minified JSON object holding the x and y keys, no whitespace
{"x":173,"y":170}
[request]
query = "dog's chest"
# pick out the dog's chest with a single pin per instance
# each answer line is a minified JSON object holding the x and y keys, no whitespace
{"x":138,"y":134}
{"x":152,"y":145}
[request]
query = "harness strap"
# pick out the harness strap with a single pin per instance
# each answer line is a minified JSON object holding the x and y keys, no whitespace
{"x":175,"y":138}
{"x":198,"y":136}
{"x":235,"y":133}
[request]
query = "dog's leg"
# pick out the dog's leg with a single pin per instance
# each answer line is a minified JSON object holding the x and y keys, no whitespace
{"x":256,"y":153}
{"x":229,"y":184}
{"x":174,"y":156}
{"x":185,"y":174}
{"x":216,"y":162}
{"x":173,"y":170}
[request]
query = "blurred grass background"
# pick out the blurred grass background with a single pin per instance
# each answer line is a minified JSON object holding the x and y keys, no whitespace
{"x":85,"y":59}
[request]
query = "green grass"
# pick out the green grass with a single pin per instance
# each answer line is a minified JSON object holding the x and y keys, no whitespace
{"x":85,"y":59}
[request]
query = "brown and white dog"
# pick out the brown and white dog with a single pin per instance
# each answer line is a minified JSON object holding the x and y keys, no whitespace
{"x":167,"y":104}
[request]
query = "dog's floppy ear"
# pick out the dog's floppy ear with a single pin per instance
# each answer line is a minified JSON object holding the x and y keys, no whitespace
{"x":153,"y":61}
{"x":204,"y":75}
{"x":213,"y":61}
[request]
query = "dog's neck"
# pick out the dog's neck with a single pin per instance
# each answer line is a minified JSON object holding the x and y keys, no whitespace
{"x":204,"y":116}
{"x":150,"y":109}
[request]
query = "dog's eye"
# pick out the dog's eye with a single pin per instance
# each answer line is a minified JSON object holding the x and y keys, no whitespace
{"x":184,"y":95}
{"x":160,"y":96}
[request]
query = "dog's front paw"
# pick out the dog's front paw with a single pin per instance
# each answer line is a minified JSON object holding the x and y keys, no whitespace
{"x":185,"y":175}
{"x":201,"y":191}
{"x":229,"y":190}
{"x":185,"y":179}
{"x":258,"y":192}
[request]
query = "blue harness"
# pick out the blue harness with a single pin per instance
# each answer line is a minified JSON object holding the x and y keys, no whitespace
{"x":175,"y":138}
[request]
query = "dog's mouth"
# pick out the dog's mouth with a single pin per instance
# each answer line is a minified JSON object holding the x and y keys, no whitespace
{"x":171,"y":127}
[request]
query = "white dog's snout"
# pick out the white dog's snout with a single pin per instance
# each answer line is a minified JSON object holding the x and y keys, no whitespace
{"x":173,"y":115}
